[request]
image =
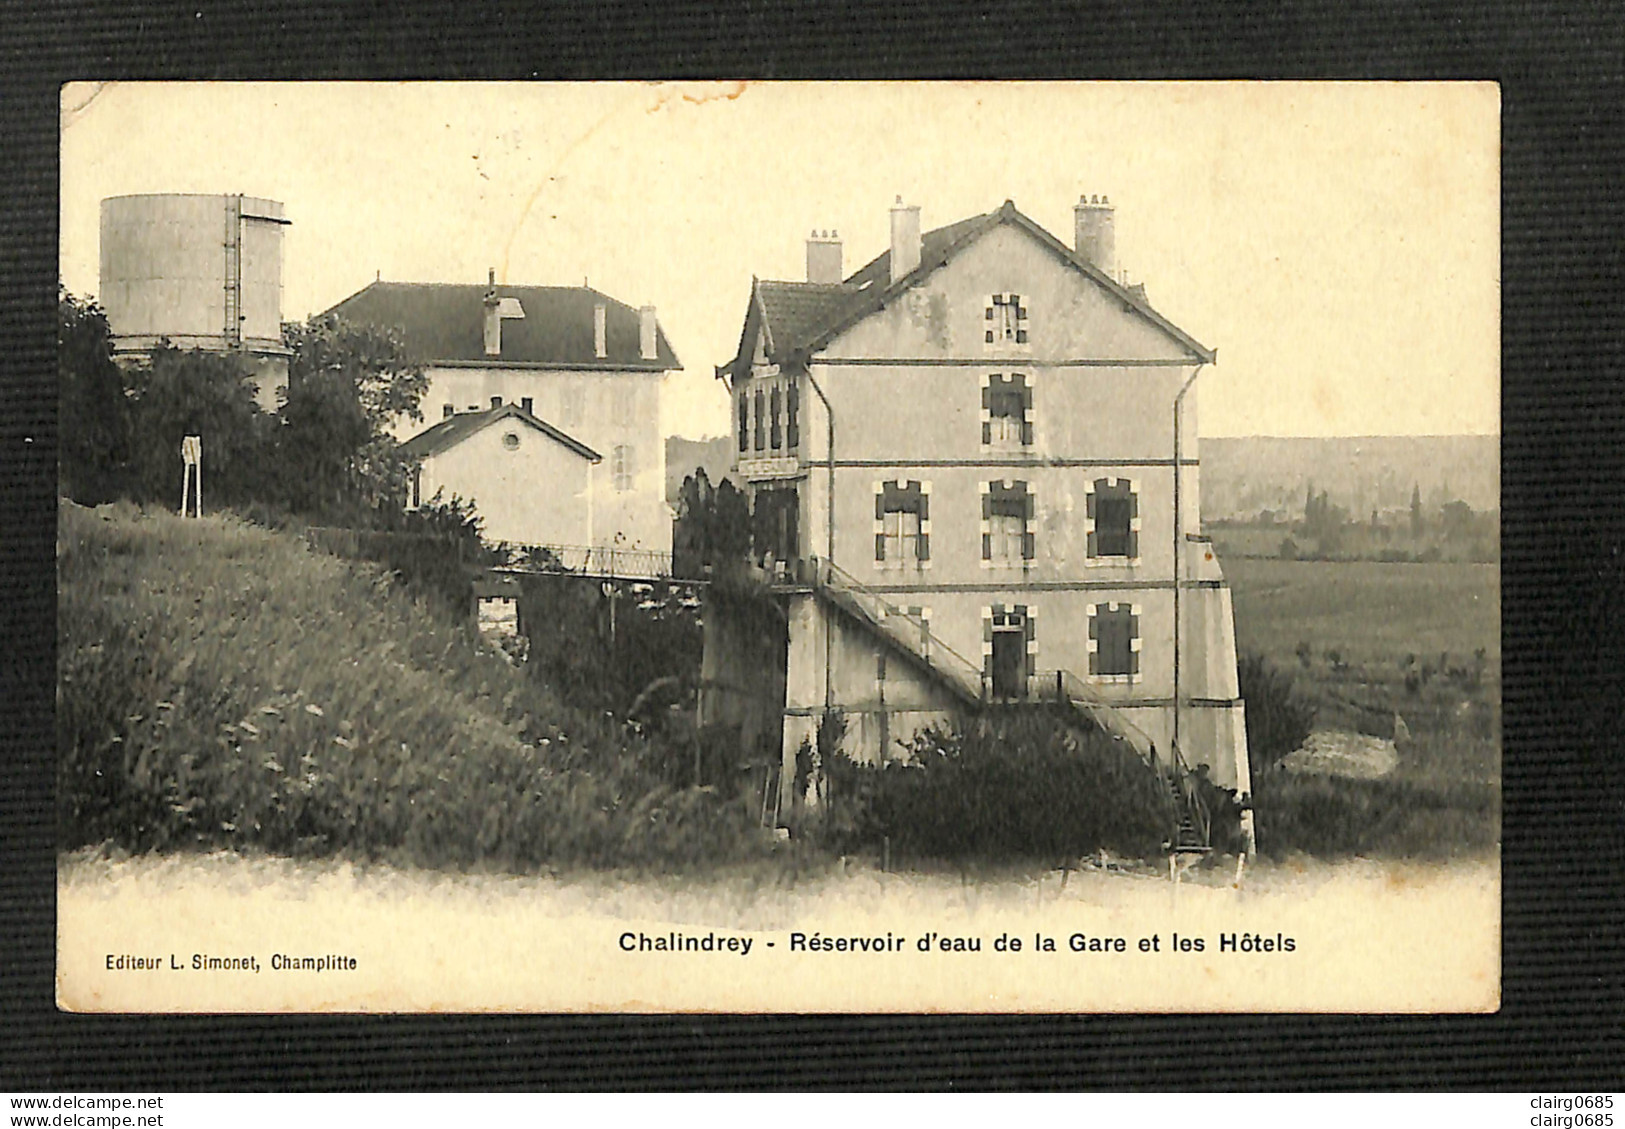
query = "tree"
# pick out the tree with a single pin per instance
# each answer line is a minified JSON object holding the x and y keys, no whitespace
{"x":181,"y":392}
{"x":346,"y":385}
{"x":94,"y":420}
{"x":713,"y":525}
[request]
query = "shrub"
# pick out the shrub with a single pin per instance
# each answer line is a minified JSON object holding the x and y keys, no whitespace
{"x":1332,"y":816}
{"x":1023,"y":788}
{"x":1278,"y":721}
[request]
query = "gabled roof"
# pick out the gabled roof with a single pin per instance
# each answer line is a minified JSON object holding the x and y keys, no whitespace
{"x":446,"y":322}
{"x":801,"y":318}
{"x":452,"y":431}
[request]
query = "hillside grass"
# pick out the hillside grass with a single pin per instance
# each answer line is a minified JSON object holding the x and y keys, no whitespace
{"x":222,"y":685}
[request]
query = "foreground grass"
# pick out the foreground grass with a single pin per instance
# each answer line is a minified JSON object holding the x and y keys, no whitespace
{"x":220,"y":685}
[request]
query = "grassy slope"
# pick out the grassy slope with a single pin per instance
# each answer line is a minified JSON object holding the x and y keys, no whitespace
{"x":221,"y":684}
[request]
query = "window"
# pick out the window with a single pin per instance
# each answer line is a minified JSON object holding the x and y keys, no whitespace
{"x":1006,"y":411}
{"x":510,"y":441}
{"x":447,"y":411}
{"x":744,"y":422}
{"x":620,"y":465}
{"x":761,"y":420}
{"x":1007,"y":513}
{"x":792,"y":428}
{"x":1114,"y":642}
{"x":902,"y":524}
{"x":1006,"y":320}
{"x":776,"y":436}
{"x":528,"y":404}
{"x":1112,"y":520}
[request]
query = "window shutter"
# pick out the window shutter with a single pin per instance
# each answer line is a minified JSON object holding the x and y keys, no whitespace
{"x":987,"y":546}
{"x":1133,"y":545}
{"x":987,"y":506}
{"x":924,"y":542}
{"x":880,"y":505}
{"x":925,"y":507}
{"x":1026,"y":434}
{"x":1027,"y":546}
{"x":987,"y":434}
{"x":880,"y":546}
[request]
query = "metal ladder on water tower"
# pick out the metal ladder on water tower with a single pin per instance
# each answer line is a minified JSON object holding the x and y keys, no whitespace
{"x":233,"y":288}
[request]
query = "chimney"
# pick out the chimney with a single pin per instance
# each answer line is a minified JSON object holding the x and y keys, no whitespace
{"x":824,"y":257}
{"x":905,"y":238}
{"x":493,"y":317}
{"x":646,"y":333}
{"x":600,"y":347}
{"x":1096,"y":238}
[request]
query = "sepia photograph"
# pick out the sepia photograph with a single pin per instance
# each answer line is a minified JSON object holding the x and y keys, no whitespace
{"x":779,"y":547}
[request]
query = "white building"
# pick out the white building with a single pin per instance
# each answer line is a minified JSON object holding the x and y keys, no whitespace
{"x":583,"y":372}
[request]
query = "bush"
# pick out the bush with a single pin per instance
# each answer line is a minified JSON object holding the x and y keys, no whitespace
{"x":574,"y":651}
{"x":1023,"y":788}
{"x":222,"y":686}
{"x":1278,"y":721}
{"x":1333,"y":816}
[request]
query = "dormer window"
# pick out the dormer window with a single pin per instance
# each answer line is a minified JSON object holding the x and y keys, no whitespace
{"x":1006,"y":320}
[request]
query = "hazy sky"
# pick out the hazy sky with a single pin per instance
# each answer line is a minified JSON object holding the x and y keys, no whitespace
{"x":1338,"y":244}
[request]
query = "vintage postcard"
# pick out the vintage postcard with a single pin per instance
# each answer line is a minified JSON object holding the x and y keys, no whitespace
{"x":792,"y":547}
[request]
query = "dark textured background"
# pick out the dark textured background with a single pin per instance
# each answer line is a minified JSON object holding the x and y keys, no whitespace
{"x":1562,"y":1025}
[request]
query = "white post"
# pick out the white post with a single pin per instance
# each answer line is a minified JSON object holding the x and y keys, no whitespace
{"x":192,"y":473}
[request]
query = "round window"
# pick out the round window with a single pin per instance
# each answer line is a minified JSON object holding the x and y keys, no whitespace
{"x":511,"y":441}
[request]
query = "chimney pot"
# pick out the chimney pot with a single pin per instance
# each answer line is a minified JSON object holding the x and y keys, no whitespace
{"x":646,"y":333}
{"x":905,"y":238}
{"x":600,"y":345}
{"x":824,"y":263}
{"x":1095,"y":232}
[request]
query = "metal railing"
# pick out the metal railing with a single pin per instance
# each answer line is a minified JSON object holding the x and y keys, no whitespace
{"x":1175,"y":773}
{"x":1067,"y":688}
{"x":609,"y":561}
{"x":909,"y":630}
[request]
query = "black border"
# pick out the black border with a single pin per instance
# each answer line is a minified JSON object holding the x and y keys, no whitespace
{"x":1563,"y":96}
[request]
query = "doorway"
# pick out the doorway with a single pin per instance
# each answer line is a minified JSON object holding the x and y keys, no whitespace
{"x":1009,"y":661}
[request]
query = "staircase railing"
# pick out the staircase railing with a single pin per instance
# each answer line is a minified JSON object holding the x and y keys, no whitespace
{"x":912,"y":633}
{"x":908,"y":630}
{"x":1174,"y":773}
{"x":1068,"y":689}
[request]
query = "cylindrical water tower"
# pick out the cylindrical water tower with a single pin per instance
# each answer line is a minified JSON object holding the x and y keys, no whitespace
{"x":203,"y":272}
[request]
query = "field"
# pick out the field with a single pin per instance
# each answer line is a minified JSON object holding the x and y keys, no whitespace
{"x":1367,"y":610}
{"x":1405,"y":652}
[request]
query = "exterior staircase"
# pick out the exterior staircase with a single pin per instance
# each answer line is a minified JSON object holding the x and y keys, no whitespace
{"x":907,"y":632}
{"x":1190,"y":828}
